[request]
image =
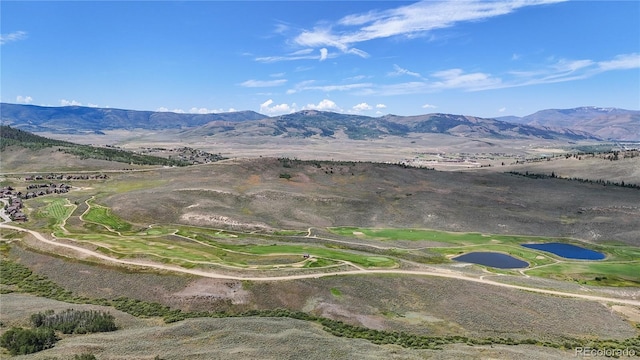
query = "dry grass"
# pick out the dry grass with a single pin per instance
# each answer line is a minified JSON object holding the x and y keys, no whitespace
{"x":422,"y":305}
{"x":235,"y":338}
{"x":250,"y":195}
{"x":377,"y":195}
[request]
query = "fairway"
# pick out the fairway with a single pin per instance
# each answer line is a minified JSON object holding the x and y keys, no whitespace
{"x":103,"y":216}
{"x":619,"y":268}
{"x":195,"y":246}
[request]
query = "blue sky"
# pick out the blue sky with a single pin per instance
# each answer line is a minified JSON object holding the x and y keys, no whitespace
{"x":483,"y":58}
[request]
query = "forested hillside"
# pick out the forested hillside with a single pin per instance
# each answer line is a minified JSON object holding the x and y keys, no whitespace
{"x":15,"y":137}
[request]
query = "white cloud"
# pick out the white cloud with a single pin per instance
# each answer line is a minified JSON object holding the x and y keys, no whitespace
{"x":323,"y":54}
{"x":309,"y":85}
{"x":564,"y":70}
{"x":164,"y":109}
{"x":268,"y":108}
{"x":398,"y":71}
{"x":196,"y":110}
{"x":362,"y":107}
{"x":24,"y":99}
{"x":263,"y":83}
{"x":281,"y":28}
{"x":458,"y":79}
{"x":429,"y":106}
{"x":304,"y":54}
{"x":11,"y":37}
{"x":502,"y":109}
{"x":324,"y":105}
{"x":621,"y":62}
{"x":92,"y":105}
{"x":408,"y":21}
{"x":381,"y":106}
{"x":572,"y":65}
{"x":64,"y":102}
{"x":411,"y":87}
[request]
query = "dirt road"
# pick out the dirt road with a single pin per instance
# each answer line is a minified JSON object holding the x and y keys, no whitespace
{"x":451,"y":275}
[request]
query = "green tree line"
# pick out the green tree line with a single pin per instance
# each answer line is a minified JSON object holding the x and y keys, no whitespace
{"x":11,"y":136}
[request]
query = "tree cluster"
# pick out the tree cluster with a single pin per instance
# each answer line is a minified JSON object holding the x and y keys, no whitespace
{"x":75,"y":321}
{"x":21,"y":341}
{"x":589,"y":181}
{"x":10,"y":136}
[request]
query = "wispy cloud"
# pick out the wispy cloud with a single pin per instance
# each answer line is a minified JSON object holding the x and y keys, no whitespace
{"x":408,"y":21}
{"x":304,"y":54}
{"x":621,"y":62}
{"x":556,"y":71}
{"x":11,"y":37}
{"x":309,"y":85}
{"x":399,"y":71}
{"x":263,"y":83}
{"x":429,"y":106}
{"x":564,"y":70}
{"x":458,"y":79}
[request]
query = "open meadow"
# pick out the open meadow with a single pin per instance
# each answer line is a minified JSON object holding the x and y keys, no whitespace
{"x":368,"y":245}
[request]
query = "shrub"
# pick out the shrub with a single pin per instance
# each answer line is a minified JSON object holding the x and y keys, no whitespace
{"x":21,"y":341}
{"x":75,"y":322}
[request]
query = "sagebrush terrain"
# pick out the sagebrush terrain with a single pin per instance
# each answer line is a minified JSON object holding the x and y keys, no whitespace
{"x":256,"y":217}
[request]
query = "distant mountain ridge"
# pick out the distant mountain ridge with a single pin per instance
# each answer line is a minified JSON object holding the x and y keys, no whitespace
{"x":546,"y":124}
{"x":606,"y":123}
{"x":78,"y":119}
{"x":313,"y":123}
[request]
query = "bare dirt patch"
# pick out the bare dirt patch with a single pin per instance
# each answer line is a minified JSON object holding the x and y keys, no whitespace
{"x":203,"y":290}
{"x":220,"y":221}
{"x":630,"y":312}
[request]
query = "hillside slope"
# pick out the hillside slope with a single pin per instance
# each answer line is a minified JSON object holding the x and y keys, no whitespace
{"x":78,"y":119}
{"x":302,"y":124}
{"x":607,"y":123}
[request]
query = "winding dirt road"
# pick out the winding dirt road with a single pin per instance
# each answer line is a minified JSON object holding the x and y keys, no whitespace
{"x":450,"y":275}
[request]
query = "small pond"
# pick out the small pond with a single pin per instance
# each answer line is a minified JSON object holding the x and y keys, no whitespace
{"x":567,"y":251}
{"x":493,"y":259}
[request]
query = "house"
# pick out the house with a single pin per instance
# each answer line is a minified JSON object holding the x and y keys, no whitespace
{"x":19,"y":216}
{"x":12,"y":209}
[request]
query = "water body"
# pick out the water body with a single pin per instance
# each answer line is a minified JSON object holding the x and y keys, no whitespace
{"x":493,"y":259}
{"x":567,"y":251}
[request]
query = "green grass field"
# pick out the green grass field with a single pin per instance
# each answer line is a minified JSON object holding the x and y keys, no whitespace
{"x":195,"y":246}
{"x":103,"y":216}
{"x":56,"y":211}
{"x":620,"y":267}
{"x":190,"y":246}
{"x":593,"y":273}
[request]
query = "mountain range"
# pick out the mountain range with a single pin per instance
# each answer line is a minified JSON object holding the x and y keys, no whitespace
{"x":585,"y":123}
{"x":606,"y":123}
